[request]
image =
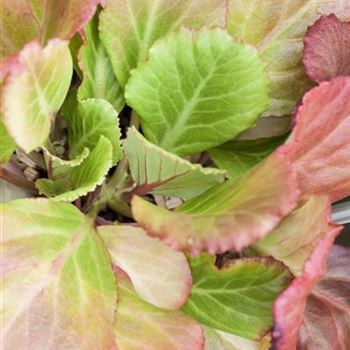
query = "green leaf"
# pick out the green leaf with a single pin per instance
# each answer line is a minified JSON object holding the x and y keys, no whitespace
{"x":34,"y":90}
{"x":7,"y":146}
{"x":99,"y":81}
{"x":143,"y":326}
{"x":197,"y":90}
{"x":162,"y":173}
{"x":87,"y":121}
{"x":238,"y":156}
{"x":130,"y":27}
{"x":57,"y":283}
{"x":276,"y":28}
{"x":238,"y":298}
{"x":297,"y":235}
{"x":81,"y":179}
{"x":228,"y":216}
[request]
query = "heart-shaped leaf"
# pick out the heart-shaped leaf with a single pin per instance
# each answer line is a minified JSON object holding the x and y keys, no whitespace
{"x":197,"y":90}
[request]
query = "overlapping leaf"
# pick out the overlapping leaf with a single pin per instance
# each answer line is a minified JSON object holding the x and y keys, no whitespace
{"x":162,"y":173}
{"x":295,"y":238}
{"x":322,"y":140}
{"x":326,"y":323}
{"x":276,"y":28}
{"x":99,"y":81}
{"x":228,"y":216}
{"x":327,"y":49}
{"x":57,"y":284}
{"x":25,"y":20}
{"x":197,"y":90}
{"x":141,"y":326}
{"x":159,"y":275}
{"x":130,"y":27}
{"x":238,"y":298}
{"x":238,"y":156}
{"x":81,"y":179}
{"x":290,"y":305}
{"x":34,"y":90}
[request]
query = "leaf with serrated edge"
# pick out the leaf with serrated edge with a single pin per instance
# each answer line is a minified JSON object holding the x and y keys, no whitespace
{"x":142,"y":326}
{"x":321,"y":140}
{"x":276,"y":28}
{"x":99,"y":80}
{"x":130,"y":27}
{"x":197,"y":90}
{"x":327,"y":49}
{"x":88,"y":120}
{"x":34,"y":90}
{"x":7,"y":146}
{"x":326,"y":322}
{"x":162,"y":173}
{"x":83,"y":178}
{"x":41,"y":20}
{"x":296,"y":236}
{"x":238,"y":156}
{"x":160,"y":275}
{"x":58,"y":286}
{"x":231,"y":215}
{"x":289,"y":307}
{"x":238,"y":298}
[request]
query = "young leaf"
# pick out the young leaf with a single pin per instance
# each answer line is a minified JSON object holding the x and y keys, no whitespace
{"x":81,"y":179}
{"x":238,"y":156}
{"x":34,"y":90}
{"x":130,"y":27}
{"x":321,"y":140}
{"x":217,"y":340}
{"x":197,"y":90}
{"x":25,"y":20}
{"x":99,"y":81}
{"x":142,"y":326}
{"x":161,"y":173}
{"x":296,"y":236}
{"x":237,"y":299}
{"x":327,"y":49}
{"x":276,"y":28}
{"x":288,"y":310}
{"x":326,"y":322}
{"x":160,"y":275}
{"x":228,"y":216}
{"x":58,"y":286}
{"x":7,"y":146}
{"x":89,"y":120}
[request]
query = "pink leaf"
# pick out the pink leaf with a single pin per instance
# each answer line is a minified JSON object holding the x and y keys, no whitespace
{"x":327,"y":49}
{"x":321,"y":140}
{"x":25,"y":20}
{"x":159,"y":274}
{"x":289,"y":307}
{"x":142,"y":326}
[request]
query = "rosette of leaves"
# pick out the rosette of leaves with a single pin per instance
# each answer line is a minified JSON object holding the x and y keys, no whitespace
{"x":156,"y":194}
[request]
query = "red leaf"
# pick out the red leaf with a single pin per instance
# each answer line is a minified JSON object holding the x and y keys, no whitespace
{"x":327,"y":49}
{"x":289,"y":307}
{"x":321,"y":140}
{"x":326,"y":322}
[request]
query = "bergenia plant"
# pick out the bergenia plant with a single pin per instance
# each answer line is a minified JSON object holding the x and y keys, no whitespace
{"x":168,"y":169}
